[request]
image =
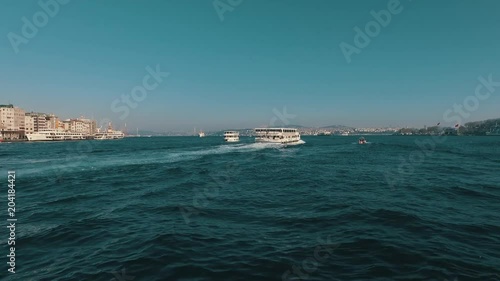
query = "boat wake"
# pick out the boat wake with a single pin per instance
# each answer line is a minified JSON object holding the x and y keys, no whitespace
{"x":297,"y":143}
{"x":161,"y":157}
{"x":221,"y":149}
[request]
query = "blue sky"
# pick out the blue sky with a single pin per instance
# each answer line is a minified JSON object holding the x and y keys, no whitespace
{"x":265,"y":54}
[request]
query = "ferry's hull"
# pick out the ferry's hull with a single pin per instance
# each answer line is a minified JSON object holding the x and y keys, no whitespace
{"x":232,"y":140}
{"x":38,"y":138}
{"x":281,"y":141}
{"x":45,"y":137}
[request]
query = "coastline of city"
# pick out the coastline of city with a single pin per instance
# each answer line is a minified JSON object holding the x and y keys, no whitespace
{"x":16,"y":123}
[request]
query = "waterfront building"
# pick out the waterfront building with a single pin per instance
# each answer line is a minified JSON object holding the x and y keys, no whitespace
{"x":12,"y":122}
{"x":53,"y":122}
{"x":80,"y":125}
{"x":90,"y":126}
{"x":29,"y":124}
{"x":15,"y":123}
{"x":39,"y":121}
{"x":66,"y":125}
{"x":11,"y":117}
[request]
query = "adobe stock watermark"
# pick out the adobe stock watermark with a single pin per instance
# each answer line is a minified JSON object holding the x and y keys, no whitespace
{"x":30,"y":28}
{"x":221,"y":179}
{"x":139,"y":93}
{"x":372,"y":29}
{"x":457,"y":114}
{"x":284,"y":117}
{"x":79,"y":153}
{"x":122,"y":276}
{"x":483,"y":91}
{"x":223,"y":6}
{"x":311,"y":264}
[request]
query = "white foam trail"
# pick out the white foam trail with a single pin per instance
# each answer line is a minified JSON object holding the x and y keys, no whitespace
{"x":144,"y":159}
{"x":368,"y":142}
{"x":221,"y":149}
{"x":297,"y":143}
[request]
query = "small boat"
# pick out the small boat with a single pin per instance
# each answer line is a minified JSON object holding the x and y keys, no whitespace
{"x":494,"y":131}
{"x":361,"y":140}
{"x":323,"y":133}
{"x":201,"y":134}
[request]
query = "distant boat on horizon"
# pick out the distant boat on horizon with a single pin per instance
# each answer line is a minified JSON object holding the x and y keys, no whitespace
{"x":495,"y":131}
{"x":324,"y":133}
{"x":201,"y":134}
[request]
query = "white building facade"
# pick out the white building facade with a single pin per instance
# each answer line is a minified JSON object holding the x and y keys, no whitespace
{"x":11,"y":118}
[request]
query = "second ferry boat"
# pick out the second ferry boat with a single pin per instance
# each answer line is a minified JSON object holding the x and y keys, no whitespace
{"x":109,"y":134}
{"x":231,"y":136}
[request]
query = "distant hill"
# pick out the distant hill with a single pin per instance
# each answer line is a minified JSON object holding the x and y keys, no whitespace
{"x":336,"y":127}
{"x":312,"y":127}
{"x":479,"y":127}
{"x":145,"y":133}
{"x":476,"y":128}
{"x":290,"y":126}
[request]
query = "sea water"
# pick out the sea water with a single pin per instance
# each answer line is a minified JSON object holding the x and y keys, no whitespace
{"x":188,"y":208}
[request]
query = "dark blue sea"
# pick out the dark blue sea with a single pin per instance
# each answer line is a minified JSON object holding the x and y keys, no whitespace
{"x":189,"y":208}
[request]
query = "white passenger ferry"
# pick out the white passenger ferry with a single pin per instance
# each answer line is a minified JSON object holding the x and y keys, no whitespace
{"x":54,"y":135}
{"x":277,"y":135}
{"x":231,"y":136}
{"x":109,"y":135}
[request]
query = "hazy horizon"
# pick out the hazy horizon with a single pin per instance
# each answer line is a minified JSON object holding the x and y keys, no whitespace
{"x":260,"y":57}
{"x":273,"y":121}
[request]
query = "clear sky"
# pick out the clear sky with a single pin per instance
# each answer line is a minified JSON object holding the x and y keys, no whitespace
{"x":264,"y":54}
